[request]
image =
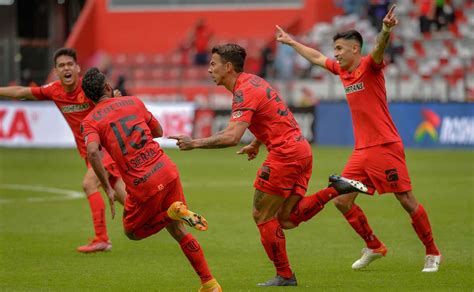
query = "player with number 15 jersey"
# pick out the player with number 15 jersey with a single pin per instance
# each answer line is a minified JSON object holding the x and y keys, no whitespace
{"x":121,"y":124}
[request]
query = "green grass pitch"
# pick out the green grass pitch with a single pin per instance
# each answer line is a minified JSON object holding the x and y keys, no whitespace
{"x":40,"y":230}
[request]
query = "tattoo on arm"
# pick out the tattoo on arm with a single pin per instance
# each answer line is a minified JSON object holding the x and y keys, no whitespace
{"x":382,"y":39}
{"x":382,"y":42}
{"x":212,"y":142}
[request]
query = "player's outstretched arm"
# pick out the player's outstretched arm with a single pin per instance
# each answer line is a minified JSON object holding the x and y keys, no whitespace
{"x":17,"y":92}
{"x":389,"y":22}
{"x":95,"y":158}
{"x":310,"y":54}
{"x":228,"y":137}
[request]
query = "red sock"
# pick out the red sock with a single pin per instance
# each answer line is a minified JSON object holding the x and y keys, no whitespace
{"x":97,"y":206}
{"x":193,"y":252}
{"x":153,"y":226}
{"x":274,"y":242}
{"x":309,"y":206}
{"x":356,"y":218}
{"x":421,"y":224}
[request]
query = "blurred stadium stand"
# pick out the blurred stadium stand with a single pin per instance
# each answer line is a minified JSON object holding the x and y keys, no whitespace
{"x":146,"y":42}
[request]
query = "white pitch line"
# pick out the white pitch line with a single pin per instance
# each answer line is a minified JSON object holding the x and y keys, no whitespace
{"x":67,"y":194}
{"x":73,"y":195}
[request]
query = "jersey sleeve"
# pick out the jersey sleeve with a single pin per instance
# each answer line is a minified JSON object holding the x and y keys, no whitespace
{"x":44,"y":92}
{"x":89,"y":132}
{"x":150,"y":120}
{"x":374,"y":65}
{"x":245,"y":103}
{"x":332,"y":66}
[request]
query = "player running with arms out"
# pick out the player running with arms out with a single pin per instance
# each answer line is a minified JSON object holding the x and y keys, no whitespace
{"x":281,"y":183}
{"x":155,"y":200}
{"x":378,"y":159}
{"x":67,"y":94}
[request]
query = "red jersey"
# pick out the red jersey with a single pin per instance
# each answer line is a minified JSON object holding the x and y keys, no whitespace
{"x":367,"y":99}
{"x":121,"y":126}
{"x":74,"y":106}
{"x":271,"y":122}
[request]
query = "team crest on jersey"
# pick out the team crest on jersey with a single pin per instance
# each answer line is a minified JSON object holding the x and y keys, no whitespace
{"x":238,"y":96}
{"x":256,"y":81}
{"x":354,"y":88}
{"x":237,"y":114}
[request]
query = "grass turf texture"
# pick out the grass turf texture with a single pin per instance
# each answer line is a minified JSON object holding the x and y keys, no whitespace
{"x":38,"y":239}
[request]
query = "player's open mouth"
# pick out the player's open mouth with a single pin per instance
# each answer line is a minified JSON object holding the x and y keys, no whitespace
{"x":68,"y":76}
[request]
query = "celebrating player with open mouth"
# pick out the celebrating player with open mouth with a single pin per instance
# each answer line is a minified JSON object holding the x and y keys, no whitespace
{"x":68,"y":96}
{"x":281,"y":183}
{"x":378,"y":159}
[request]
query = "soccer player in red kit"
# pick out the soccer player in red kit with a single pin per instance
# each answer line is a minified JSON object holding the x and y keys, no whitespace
{"x":378,"y":159}
{"x":155,"y":200}
{"x":68,"y":96}
{"x":281,"y":183}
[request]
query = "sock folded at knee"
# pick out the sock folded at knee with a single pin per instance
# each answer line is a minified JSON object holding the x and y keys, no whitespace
{"x":192,"y":250}
{"x":274,"y":243}
{"x":421,"y":224}
{"x":357,"y":219}
{"x":97,"y":206}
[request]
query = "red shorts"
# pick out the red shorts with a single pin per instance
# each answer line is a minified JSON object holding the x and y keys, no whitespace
{"x":110,"y":166}
{"x":284,"y":178}
{"x":382,"y":168}
{"x":136,"y":214}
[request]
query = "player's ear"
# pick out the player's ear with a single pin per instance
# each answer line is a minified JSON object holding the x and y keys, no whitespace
{"x":229,"y":66}
{"x":78,"y":68}
{"x":355,"y":48}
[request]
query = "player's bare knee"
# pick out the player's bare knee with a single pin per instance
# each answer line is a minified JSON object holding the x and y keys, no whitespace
{"x":408,"y":201}
{"x":286,"y":224}
{"x":89,"y":186}
{"x":255,"y":215}
{"x":260,"y":216}
{"x":342,"y":204}
{"x":177,"y":230}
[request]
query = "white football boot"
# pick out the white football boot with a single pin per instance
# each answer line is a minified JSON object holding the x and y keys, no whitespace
{"x":432,"y":263}
{"x":368,"y":256}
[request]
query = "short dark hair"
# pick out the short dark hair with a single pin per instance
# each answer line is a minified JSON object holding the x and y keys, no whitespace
{"x":349,"y":35}
{"x":232,"y":53}
{"x":93,"y":84}
{"x":65,"y":52}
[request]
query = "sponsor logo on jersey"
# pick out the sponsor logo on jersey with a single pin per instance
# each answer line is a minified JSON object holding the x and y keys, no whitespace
{"x":354,"y":88}
{"x":238,"y":96}
{"x":74,"y":108}
{"x":147,"y":175}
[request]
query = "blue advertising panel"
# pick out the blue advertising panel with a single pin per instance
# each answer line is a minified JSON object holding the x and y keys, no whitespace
{"x":421,"y":125}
